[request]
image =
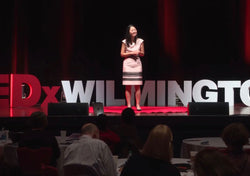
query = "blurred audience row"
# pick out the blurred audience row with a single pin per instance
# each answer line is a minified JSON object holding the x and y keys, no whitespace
{"x":98,"y":143}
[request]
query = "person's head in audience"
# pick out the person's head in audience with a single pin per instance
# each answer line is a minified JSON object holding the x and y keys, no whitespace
{"x":128,"y":115}
{"x":102,"y":122}
{"x":91,"y":130}
{"x":38,"y":120}
{"x":235,"y":135}
{"x":210,"y":162}
{"x":159,"y":143}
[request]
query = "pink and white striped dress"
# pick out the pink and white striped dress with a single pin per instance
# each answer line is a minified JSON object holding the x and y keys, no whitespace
{"x":132,"y":66}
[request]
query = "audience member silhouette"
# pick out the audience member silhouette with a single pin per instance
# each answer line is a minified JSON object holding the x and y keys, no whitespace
{"x":130,"y":140}
{"x":37,"y":136}
{"x":155,"y":157}
{"x":235,"y":136}
{"x":210,"y":162}
{"x":90,"y":151}
{"x":106,"y":134}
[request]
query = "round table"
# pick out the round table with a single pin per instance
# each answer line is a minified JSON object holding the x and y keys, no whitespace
{"x":198,"y":144}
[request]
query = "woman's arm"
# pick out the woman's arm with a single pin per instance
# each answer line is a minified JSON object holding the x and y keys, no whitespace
{"x":126,"y":54}
{"x":142,"y":52}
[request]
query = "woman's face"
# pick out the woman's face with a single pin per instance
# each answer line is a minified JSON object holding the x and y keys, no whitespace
{"x":132,"y":31}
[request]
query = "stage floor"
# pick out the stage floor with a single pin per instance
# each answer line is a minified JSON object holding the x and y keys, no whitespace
{"x":238,"y":109}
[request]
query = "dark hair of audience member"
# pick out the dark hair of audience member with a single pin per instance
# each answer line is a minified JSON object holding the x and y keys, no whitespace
{"x":38,"y":120}
{"x":210,"y":162}
{"x":159,"y":143}
{"x":235,"y":135}
{"x":102,"y":122}
{"x":128,"y":115}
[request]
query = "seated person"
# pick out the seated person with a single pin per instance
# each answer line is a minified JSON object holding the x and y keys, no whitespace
{"x":38,"y":137}
{"x":235,"y":136}
{"x":106,"y":134}
{"x":90,"y":151}
{"x":213,"y":163}
{"x":130,"y":140}
{"x":155,"y":157}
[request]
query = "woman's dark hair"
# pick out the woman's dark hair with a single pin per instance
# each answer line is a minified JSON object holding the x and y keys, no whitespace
{"x":128,"y":37}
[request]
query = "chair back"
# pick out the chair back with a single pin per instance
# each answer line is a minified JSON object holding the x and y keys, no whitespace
{"x":31,"y":160}
{"x":49,"y":170}
{"x":78,"y":170}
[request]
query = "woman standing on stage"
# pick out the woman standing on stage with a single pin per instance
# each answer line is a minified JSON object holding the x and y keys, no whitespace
{"x":131,"y":50}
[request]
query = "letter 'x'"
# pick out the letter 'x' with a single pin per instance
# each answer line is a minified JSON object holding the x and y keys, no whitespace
{"x":51,"y":93}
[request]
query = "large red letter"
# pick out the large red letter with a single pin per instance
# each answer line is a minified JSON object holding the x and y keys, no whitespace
{"x":51,"y":93}
{"x":16,"y":90}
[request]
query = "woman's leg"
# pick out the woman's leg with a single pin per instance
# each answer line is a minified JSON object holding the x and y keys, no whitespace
{"x":138,"y":97}
{"x":128,"y":95}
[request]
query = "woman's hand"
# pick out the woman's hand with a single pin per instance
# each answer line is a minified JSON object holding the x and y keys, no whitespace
{"x":136,"y":53}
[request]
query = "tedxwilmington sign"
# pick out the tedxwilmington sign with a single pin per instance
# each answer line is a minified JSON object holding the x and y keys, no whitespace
{"x":154,"y":92}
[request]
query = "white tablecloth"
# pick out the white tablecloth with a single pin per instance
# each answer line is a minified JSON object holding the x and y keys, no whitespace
{"x":198,"y":144}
